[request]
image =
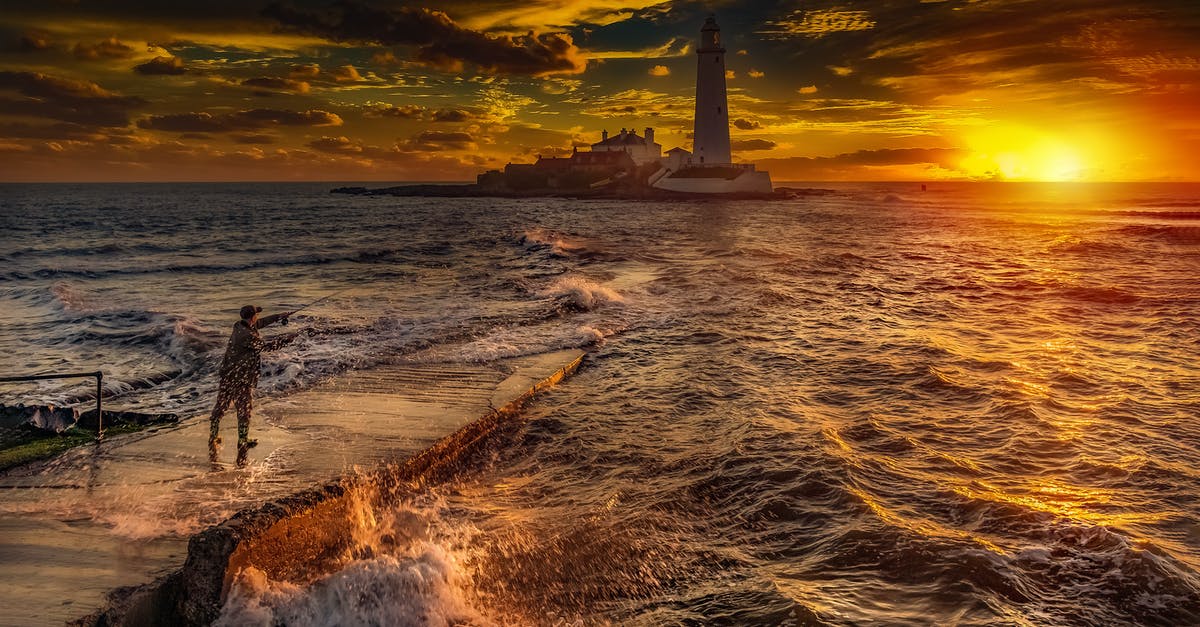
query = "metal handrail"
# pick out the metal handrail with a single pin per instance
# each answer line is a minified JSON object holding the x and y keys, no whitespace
{"x":99,"y":391}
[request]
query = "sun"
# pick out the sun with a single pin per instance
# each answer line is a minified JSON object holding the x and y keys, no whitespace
{"x":1055,"y":161}
{"x":1020,"y":153}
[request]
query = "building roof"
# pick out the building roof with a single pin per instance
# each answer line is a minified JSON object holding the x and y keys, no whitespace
{"x":627,"y":139}
{"x":553,"y":163}
{"x":677,"y":149}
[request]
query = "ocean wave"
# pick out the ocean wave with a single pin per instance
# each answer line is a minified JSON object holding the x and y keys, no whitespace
{"x":1185,"y":235}
{"x":566,"y":246}
{"x":574,"y":293}
{"x":1107,"y":295}
{"x":368,"y":256}
{"x":1076,"y":244}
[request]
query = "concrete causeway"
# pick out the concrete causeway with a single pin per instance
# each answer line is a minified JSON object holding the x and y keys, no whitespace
{"x":121,"y":513}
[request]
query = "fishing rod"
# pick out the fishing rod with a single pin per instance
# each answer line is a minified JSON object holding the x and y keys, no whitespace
{"x":315,"y":302}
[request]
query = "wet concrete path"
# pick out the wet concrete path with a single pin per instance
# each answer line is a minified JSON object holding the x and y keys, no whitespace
{"x":120,"y":512}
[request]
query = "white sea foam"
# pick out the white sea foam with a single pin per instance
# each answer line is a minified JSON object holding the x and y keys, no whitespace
{"x":581,"y":293}
{"x":424,"y":587}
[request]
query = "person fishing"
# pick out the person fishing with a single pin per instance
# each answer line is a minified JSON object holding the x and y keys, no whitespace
{"x":240,"y":370}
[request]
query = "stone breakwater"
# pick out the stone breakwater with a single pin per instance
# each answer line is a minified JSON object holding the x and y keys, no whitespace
{"x":298,"y":537}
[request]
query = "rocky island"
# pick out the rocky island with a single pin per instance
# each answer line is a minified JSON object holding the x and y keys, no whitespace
{"x":631,"y":166}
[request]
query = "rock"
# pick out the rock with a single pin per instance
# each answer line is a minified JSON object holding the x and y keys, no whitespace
{"x":87,"y":420}
{"x":41,"y":417}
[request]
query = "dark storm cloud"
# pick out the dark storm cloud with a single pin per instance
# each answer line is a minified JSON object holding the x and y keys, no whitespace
{"x":249,"y":120}
{"x":64,"y":99}
{"x":746,"y":125}
{"x":435,"y":141}
{"x":752,"y":144}
{"x":109,"y":48}
{"x":273,"y":83}
{"x":163,"y":66}
{"x":439,"y":41}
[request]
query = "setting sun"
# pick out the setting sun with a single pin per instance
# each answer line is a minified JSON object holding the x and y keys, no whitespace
{"x":1017,"y":153}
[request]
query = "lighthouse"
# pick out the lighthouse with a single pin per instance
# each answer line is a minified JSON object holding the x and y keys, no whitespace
{"x":711,"y":130}
{"x":709,"y":168}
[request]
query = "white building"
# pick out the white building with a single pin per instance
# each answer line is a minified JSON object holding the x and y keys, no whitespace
{"x":642,"y":149}
{"x":709,"y":168}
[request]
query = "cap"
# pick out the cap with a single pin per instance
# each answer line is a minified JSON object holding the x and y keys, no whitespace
{"x":250,"y":310}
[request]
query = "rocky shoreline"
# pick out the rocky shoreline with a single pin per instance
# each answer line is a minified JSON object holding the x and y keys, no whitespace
{"x":642,"y":193}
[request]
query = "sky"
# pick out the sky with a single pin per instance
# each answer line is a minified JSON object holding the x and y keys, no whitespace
{"x":364,"y":90}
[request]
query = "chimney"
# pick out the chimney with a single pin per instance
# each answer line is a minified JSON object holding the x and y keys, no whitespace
{"x":649,"y":135}
{"x":623,"y":131}
{"x":604,"y":135}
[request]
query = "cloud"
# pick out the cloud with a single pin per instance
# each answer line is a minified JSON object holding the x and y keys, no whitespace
{"x":34,"y":40}
{"x":858,"y":164}
{"x":336,"y":145}
{"x":305,"y":71}
{"x":107,"y":49}
{"x":660,"y":70}
{"x":407,"y":112}
{"x":753,"y":73}
{"x":166,"y":66}
{"x":752,"y":144}
{"x":248,"y":120}
{"x":385,"y":58}
{"x":818,"y":23}
{"x":730,"y":75}
{"x":636,"y":102}
{"x":345,"y":73}
{"x":746,"y":125}
{"x":58,"y":131}
{"x":254,"y":138}
{"x":807,"y":90}
{"x":419,"y":112}
{"x":435,"y":141}
{"x":559,"y":86}
{"x":452,"y":115}
{"x":64,"y":99}
{"x":425,"y":141}
{"x":673,"y":48}
{"x":274,"y":83}
{"x":439,"y":41}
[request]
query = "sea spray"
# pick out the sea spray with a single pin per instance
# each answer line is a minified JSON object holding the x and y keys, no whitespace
{"x":401,"y":566}
{"x":580,"y":294}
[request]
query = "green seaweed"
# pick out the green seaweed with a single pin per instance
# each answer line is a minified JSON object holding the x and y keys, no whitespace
{"x":21,"y":446}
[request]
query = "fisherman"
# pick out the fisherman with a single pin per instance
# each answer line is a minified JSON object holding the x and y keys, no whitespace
{"x":240,"y":370}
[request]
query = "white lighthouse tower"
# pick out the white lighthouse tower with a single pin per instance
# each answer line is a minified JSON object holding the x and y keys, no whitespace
{"x":711,"y":144}
{"x":709,"y":168}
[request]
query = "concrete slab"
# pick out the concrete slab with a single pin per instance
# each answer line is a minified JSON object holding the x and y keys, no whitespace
{"x":121,"y":512}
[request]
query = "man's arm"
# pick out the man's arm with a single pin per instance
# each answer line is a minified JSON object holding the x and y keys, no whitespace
{"x":267,"y":321}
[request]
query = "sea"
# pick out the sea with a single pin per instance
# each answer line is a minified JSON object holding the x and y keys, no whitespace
{"x":869,"y":404}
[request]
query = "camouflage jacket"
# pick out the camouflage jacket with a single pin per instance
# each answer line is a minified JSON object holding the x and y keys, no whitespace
{"x":243,"y":355}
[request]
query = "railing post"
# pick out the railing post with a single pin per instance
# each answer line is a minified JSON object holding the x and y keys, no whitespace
{"x":99,"y":405}
{"x":99,"y":391}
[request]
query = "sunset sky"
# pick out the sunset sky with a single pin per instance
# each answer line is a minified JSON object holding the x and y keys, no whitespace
{"x":349,"y":91}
